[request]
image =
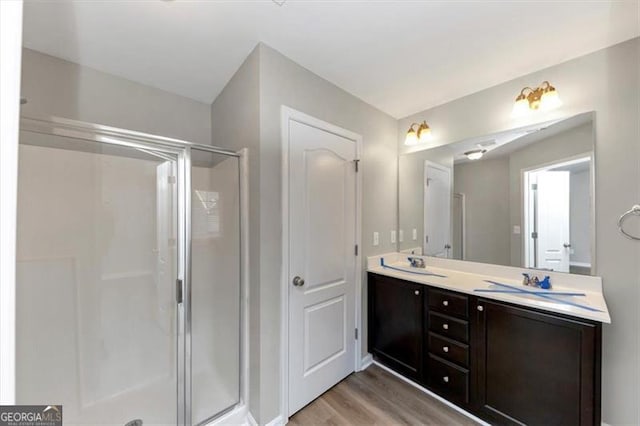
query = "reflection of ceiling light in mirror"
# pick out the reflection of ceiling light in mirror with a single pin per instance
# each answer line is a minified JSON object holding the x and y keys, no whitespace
{"x":475,"y":154}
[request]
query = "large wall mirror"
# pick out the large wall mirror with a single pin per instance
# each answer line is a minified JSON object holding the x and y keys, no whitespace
{"x":523,"y":197}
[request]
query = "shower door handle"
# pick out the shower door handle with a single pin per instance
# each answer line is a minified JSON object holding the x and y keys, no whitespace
{"x":178,"y":291}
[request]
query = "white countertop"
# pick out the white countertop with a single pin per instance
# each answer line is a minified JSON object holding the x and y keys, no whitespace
{"x":466,"y":277}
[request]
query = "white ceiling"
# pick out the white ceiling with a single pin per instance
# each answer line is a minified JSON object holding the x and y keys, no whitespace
{"x":401,"y":57}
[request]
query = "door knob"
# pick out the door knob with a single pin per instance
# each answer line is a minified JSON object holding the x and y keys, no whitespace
{"x":297,"y":281}
{"x":566,"y":245}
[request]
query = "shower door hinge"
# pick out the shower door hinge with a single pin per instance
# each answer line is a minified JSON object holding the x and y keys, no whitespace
{"x":171,"y":180}
{"x":356,"y":249}
{"x":534,"y":235}
{"x":534,"y":186}
{"x":356,"y":334}
{"x":178,"y":290}
{"x":355,"y":163}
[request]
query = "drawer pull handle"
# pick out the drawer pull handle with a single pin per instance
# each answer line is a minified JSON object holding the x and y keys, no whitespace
{"x":445,"y":379}
{"x":480,"y":308}
{"x":445,"y":348}
{"x":445,"y":303}
{"x":417,"y":292}
{"x":445,"y":326}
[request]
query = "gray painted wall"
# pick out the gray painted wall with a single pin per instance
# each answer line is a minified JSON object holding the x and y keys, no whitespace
{"x":485,"y":185}
{"x":235,"y":124}
{"x":235,"y":121}
{"x":580,"y":206}
{"x":60,"y":88}
{"x":280,"y":81}
{"x":608,"y":82}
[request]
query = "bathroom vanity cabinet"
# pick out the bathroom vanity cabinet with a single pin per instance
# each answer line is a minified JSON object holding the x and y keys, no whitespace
{"x":395,"y":313}
{"x":505,"y":363}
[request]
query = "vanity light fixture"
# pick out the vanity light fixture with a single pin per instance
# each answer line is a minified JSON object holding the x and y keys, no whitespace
{"x":544,"y":97}
{"x":475,"y":154}
{"x":422,"y":135}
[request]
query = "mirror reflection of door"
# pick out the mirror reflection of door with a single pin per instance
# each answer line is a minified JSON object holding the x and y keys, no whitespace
{"x":557,"y":201}
{"x":437,"y":210}
{"x":458,"y":225}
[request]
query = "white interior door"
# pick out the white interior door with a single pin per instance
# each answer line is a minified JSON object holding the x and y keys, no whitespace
{"x":553,"y":220}
{"x":437,"y":210}
{"x":322,"y":238}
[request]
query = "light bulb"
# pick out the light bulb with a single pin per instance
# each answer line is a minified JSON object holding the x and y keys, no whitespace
{"x":425,"y":133}
{"x":550,"y":99}
{"x":412,"y":138}
{"x":476,"y":154}
{"x":520,"y":107}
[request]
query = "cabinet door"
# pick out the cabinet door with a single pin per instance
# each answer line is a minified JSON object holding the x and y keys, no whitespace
{"x":395,"y":324}
{"x":536,"y":368}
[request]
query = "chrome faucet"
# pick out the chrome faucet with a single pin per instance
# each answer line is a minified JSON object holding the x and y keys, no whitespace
{"x":416,"y":262}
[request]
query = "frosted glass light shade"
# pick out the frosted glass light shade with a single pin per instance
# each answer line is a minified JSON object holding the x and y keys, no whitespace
{"x":520,"y":108}
{"x":412,"y":138}
{"x":425,"y":135}
{"x":550,"y":100}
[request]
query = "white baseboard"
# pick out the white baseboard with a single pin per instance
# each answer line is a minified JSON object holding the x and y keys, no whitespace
{"x":435,"y":396}
{"x":366,"y":361}
{"x":275,"y":422}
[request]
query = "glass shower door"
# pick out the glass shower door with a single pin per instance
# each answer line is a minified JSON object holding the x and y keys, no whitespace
{"x":214,"y":284}
{"x":97,"y":249}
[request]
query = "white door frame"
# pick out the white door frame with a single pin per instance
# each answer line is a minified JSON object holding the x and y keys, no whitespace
{"x":287,"y":114}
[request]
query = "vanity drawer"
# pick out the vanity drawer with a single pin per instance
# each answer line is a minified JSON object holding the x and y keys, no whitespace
{"x":448,"y":379}
{"x":449,"y":303}
{"x":449,"y":349}
{"x":449,"y":327}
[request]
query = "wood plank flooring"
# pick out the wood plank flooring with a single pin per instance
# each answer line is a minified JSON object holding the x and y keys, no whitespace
{"x":376,"y":397}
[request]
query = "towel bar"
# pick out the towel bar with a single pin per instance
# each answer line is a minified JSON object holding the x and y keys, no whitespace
{"x":635,"y":210}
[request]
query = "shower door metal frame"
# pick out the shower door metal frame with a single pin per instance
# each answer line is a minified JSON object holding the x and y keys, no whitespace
{"x":148,"y":143}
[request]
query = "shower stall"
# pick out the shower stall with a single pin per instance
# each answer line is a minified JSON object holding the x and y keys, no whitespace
{"x":129,"y":275}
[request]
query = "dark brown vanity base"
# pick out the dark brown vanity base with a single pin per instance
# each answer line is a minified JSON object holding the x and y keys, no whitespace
{"x":504,"y":363}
